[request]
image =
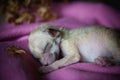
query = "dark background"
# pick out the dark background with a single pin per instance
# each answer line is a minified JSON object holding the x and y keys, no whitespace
{"x":113,"y":3}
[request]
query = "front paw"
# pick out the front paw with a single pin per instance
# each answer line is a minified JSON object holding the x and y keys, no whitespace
{"x":46,"y":69}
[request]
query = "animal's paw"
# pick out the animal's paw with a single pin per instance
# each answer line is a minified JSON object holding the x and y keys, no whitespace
{"x":46,"y":69}
{"x":104,"y":61}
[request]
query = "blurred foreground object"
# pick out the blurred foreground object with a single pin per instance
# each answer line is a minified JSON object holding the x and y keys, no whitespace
{"x":14,"y":50}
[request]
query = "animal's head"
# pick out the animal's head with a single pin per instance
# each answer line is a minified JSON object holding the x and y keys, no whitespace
{"x":46,"y":43}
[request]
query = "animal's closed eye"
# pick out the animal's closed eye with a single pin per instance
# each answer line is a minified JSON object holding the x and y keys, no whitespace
{"x":47,"y":47}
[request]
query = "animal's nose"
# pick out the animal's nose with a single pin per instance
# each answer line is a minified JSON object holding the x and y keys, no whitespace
{"x":46,"y":64}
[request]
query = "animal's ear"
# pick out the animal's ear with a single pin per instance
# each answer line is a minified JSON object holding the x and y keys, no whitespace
{"x":53,"y":32}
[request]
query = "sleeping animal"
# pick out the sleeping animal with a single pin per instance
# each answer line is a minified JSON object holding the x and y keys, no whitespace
{"x":95,"y":44}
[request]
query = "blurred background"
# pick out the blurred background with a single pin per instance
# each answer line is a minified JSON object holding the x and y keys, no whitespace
{"x":113,"y":3}
{"x":11,"y":8}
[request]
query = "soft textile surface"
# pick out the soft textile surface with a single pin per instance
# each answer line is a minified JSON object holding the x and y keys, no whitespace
{"x":24,"y":67}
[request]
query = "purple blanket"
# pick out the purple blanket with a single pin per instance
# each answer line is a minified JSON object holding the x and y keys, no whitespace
{"x":24,"y":66}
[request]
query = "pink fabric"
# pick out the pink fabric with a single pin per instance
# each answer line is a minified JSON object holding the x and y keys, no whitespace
{"x":73,"y":15}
